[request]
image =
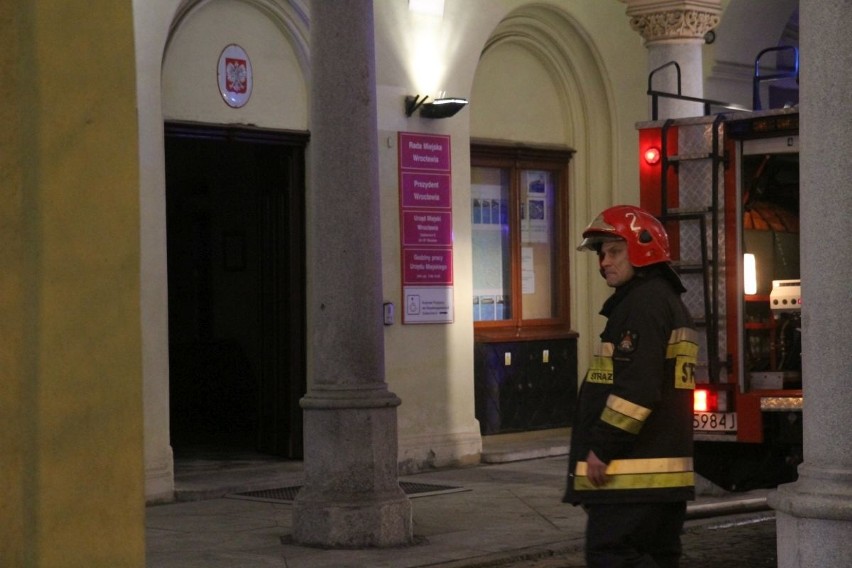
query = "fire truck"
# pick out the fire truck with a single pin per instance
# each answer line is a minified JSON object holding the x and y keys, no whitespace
{"x":726,"y":186}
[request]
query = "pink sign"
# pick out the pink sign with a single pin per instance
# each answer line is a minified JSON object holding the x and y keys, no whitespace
{"x":427,"y":228}
{"x":427,"y":266}
{"x":424,"y":152}
{"x":420,"y":189}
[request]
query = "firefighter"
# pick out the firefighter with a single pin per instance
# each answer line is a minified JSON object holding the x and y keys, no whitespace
{"x":630,"y":465}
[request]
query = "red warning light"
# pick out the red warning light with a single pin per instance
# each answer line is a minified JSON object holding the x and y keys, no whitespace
{"x":652,"y":156}
{"x":704,"y":400}
{"x":699,"y":401}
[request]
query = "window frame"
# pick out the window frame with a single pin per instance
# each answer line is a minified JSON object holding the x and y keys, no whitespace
{"x":517,"y":158}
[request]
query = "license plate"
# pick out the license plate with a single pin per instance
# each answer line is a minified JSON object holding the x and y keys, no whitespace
{"x":714,"y":421}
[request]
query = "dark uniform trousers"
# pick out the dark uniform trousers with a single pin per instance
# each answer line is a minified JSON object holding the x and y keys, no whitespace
{"x":635,"y":535}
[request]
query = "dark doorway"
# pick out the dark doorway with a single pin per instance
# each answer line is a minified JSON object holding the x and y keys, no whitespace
{"x":236,"y":272}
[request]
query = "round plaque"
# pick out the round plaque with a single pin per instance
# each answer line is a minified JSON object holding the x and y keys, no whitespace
{"x":235,"y":78}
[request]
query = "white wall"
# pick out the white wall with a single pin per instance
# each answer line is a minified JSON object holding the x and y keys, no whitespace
{"x":581,"y":71}
{"x":430,"y":367}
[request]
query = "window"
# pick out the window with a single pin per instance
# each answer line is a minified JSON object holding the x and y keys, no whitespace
{"x":519,"y":239}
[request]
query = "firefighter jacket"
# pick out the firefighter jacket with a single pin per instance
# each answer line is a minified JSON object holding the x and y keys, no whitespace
{"x":634,"y":409}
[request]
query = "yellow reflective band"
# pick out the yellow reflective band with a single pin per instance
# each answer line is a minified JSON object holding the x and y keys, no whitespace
{"x":683,"y":348}
{"x":639,"y":481}
{"x":645,"y":465}
{"x":621,"y":421}
{"x":624,"y":406}
{"x":624,"y":414}
{"x":604,"y":349}
{"x":651,"y":473}
{"x":683,"y":342}
{"x":600,"y":370}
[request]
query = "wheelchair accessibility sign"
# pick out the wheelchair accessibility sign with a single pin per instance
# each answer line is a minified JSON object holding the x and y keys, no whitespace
{"x":428,"y":304}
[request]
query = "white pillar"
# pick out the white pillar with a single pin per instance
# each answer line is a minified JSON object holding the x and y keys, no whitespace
{"x":674,"y":31}
{"x":814,"y":514}
{"x":351,"y":497}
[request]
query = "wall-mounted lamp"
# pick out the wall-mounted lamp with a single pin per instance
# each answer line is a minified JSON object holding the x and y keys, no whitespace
{"x":438,"y":108}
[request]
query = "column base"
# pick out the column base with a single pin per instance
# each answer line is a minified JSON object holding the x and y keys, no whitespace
{"x":376,"y":521}
{"x":814,"y":519}
{"x":351,"y":497}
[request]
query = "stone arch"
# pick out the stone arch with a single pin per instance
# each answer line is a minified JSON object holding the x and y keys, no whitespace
{"x":586,"y":110}
{"x":290,"y":16}
{"x":157,"y":25}
{"x":575,"y":67}
{"x":275,"y":36}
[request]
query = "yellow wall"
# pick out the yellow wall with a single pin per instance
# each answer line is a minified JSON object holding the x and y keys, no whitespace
{"x":71,"y":487}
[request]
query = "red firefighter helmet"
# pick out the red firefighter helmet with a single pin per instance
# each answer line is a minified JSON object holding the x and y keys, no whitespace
{"x":647,"y":241}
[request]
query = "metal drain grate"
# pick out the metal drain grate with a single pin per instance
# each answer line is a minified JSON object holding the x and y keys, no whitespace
{"x":287,"y":494}
{"x":277,"y":494}
{"x":426,"y":489}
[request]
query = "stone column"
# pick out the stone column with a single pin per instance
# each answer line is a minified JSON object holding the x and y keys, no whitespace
{"x":674,"y":31}
{"x":351,"y":497}
{"x":814,"y":514}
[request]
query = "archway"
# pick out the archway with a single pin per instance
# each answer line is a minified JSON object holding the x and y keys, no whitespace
{"x":235,"y":229}
{"x":572,"y":108}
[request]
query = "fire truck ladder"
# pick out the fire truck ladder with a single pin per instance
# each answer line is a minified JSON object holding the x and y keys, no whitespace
{"x":708,"y":265}
{"x":707,"y":213}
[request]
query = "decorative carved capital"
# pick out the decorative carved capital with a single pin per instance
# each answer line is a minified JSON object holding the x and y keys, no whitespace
{"x":673,"y":20}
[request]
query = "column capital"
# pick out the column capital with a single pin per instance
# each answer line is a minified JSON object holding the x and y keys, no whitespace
{"x":673,"y":21}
